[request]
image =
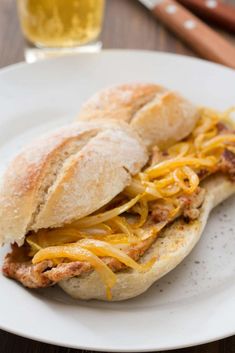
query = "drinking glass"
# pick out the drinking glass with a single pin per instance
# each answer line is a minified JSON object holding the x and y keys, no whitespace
{"x":60,"y":26}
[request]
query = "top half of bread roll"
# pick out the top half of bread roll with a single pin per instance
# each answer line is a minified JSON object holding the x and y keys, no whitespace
{"x":67,"y":175}
{"x":160,"y":117}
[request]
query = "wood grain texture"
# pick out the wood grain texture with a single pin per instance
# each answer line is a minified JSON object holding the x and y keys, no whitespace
{"x":127,"y":25}
{"x":221,"y":14}
{"x":206,"y":42}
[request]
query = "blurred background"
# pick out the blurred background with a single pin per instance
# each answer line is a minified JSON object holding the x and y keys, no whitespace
{"x":127,"y":25}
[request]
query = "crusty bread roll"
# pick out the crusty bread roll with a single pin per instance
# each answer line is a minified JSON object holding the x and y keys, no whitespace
{"x":174,"y":244}
{"x":74,"y":171}
{"x":67,"y":175}
{"x":160,"y":117}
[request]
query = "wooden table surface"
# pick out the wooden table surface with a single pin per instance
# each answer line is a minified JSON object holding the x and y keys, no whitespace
{"x":127,"y":25}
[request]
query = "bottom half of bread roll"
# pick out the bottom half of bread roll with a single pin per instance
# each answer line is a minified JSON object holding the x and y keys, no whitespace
{"x":169,"y":250}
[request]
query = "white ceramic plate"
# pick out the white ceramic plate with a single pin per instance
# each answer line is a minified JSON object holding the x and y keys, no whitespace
{"x":193,"y":304}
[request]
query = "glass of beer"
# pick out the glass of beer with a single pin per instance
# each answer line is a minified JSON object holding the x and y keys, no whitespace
{"x":62,"y":25}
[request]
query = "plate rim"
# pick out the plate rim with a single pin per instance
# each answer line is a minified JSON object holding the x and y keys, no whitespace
{"x":36,"y":337}
{"x":21,"y":64}
{"x":115,"y":350}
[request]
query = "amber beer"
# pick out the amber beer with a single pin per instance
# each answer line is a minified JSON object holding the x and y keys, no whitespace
{"x":61,"y":23}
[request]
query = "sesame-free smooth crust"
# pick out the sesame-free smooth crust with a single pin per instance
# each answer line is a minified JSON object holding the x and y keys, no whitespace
{"x":161,"y":117}
{"x":67,"y":175}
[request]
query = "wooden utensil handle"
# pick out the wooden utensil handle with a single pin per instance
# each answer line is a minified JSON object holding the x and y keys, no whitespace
{"x":195,"y":33}
{"x":214,"y":11}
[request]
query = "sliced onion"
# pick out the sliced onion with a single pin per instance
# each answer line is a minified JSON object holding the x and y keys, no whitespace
{"x":101,"y":248}
{"x":105,"y":216}
{"x":75,"y":252}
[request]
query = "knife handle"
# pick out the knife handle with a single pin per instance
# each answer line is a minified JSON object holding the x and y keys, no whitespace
{"x":214,"y":11}
{"x":195,"y":33}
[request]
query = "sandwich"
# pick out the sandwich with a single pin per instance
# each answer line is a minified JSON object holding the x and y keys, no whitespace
{"x":107,"y":205}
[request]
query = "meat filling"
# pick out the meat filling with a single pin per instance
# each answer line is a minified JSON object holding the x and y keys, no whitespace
{"x":44,"y":274}
{"x":227,"y":164}
{"x":189,"y":207}
{"x":18,"y":264}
